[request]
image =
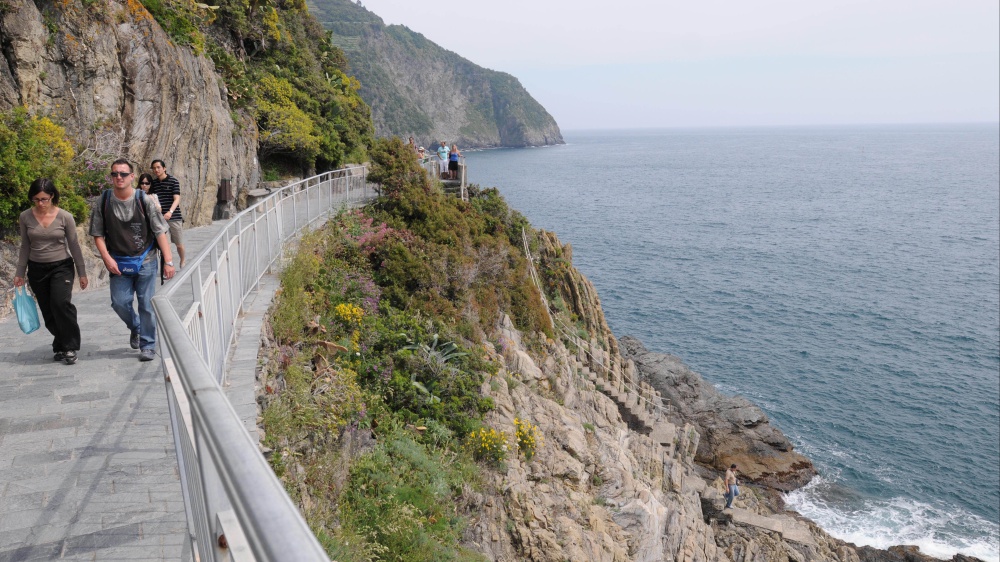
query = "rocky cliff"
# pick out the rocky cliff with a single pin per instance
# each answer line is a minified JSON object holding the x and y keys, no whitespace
{"x":605,"y":487}
{"x":109,"y":74}
{"x":417,"y":88}
{"x":733,"y":429}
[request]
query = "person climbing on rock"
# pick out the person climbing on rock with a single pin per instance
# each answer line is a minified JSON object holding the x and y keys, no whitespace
{"x":732,"y":489}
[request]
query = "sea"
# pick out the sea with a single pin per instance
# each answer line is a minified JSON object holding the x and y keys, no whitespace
{"x":845,"y":279}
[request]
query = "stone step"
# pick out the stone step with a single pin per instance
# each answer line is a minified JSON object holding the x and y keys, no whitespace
{"x":664,"y":433}
{"x":645,"y":421}
{"x":788,"y":527}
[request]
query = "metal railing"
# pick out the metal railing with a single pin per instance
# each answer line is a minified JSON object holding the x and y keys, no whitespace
{"x":433,"y":167}
{"x":236,"y":507}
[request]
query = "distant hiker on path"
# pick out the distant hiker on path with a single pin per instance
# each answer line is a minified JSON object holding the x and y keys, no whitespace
{"x":732,"y":490}
{"x":442,"y":152}
{"x":50,"y":249}
{"x":453,"y":156}
{"x":168,"y":190}
{"x":126,"y":225}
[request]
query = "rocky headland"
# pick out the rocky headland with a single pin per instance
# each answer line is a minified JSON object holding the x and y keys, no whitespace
{"x":415,"y":87}
{"x":733,"y":430}
{"x":609,"y":486}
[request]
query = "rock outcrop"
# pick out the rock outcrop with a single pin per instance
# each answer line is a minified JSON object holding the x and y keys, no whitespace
{"x":597,"y":490}
{"x":733,"y":429}
{"x":109,"y":74}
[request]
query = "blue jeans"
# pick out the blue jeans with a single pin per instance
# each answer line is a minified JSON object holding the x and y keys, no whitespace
{"x":731,"y":495}
{"x":142,"y":287}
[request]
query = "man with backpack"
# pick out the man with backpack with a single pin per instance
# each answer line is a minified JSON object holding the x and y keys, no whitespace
{"x":126,"y":225}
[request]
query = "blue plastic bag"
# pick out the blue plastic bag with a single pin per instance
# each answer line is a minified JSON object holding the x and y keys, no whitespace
{"x":26,"y":309}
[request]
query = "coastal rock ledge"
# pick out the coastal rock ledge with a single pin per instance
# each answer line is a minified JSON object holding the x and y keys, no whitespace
{"x":733,"y":430}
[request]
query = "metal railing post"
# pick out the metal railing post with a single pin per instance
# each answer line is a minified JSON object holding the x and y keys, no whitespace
{"x":221,"y":360}
{"x":256,"y":257}
{"x":295,"y":212}
{"x":196,"y":290}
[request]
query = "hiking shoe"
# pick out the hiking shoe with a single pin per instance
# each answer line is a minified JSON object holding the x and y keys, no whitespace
{"x":69,"y":357}
{"x":58,"y":356}
{"x":133,"y":340}
{"x":147,"y":355}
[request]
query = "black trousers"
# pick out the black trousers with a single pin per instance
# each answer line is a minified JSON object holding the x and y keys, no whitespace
{"x":52,"y":284}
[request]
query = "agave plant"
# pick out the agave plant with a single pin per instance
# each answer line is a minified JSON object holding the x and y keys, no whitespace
{"x":435,"y":357}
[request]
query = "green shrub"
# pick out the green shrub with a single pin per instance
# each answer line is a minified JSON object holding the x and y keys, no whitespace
{"x":180,"y":19}
{"x":284,"y":128}
{"x":529,"y":438}
{"x":395,"y":168}
{"x":460,"y":262}
{"x":488,"y":445}
{"x":402,"y":497}
{"x":33,"y":147}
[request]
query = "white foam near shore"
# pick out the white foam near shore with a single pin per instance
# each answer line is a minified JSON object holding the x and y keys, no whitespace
{"x":939,"y":532}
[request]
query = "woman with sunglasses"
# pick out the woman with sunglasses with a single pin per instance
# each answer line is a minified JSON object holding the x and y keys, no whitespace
{"x":145,"y":182}
{"x":50,"y":251}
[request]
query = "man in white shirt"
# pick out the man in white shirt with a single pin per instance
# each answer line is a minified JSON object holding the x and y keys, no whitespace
{"x":442,"y":152}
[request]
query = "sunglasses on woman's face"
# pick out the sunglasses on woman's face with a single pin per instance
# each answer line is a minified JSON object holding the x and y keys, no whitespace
{"x":144,"y":183}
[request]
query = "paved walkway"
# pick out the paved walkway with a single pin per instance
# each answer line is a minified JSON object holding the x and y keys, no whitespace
{"x":87,"y":464}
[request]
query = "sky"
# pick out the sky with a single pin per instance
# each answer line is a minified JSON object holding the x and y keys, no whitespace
{"x":713,"y":63}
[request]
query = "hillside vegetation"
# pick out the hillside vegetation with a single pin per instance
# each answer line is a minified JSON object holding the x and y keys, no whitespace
{"x":278,"y":62}
{"x":380,"y":325}
{"x":83,"y":83}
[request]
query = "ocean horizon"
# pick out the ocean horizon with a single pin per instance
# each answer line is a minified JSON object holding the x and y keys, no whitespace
{"x":846,"y":278}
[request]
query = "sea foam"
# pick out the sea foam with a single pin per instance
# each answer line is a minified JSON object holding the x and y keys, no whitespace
{"x":940,"y":531}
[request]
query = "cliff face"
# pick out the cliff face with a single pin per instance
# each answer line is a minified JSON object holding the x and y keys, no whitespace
{"x":111,"y":76}
{"x":598,"y":489}
{"x":415,"y":87}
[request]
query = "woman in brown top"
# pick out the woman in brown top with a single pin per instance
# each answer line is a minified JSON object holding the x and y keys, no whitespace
{"x":49,"y":251}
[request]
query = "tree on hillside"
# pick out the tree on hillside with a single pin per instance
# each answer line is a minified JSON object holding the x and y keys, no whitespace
{"x":32,"y":147}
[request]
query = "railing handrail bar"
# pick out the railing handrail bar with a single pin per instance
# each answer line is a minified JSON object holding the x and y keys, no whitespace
{"x":182,"y":276}
{"x":226,"y":456}
{"x":256,"y":494}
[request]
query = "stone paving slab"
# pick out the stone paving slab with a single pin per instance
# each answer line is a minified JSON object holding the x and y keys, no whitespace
{"x":788,"y":527}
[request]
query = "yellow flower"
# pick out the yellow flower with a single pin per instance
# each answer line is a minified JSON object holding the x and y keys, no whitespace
{"x":349,"y":313}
